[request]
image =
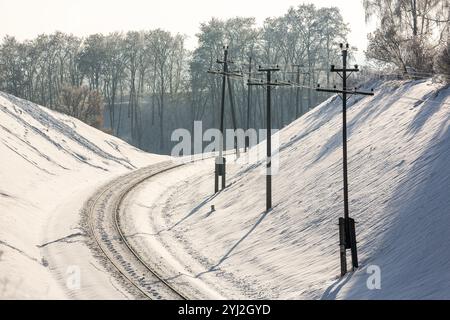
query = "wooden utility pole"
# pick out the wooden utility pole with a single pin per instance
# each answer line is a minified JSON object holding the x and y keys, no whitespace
{"x":347,"y":234}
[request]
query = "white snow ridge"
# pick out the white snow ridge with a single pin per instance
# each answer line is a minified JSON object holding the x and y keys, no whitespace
{"x":399,"y":175}
{"x":50,"y":164}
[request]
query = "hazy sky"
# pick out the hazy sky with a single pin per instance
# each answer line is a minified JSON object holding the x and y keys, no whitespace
{"x":27,"y":18}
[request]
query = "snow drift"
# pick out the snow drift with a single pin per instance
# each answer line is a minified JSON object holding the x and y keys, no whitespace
{"x":47,"y":160}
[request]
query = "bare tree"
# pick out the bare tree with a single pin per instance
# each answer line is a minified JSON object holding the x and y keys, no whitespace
{"x":82,"y":103}
{"x":410,"y":30}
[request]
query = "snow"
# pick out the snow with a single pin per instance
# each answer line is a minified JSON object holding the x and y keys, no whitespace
{"x":140,"y":227}
{"x":399,"y":151}
{"x":50,"y":164}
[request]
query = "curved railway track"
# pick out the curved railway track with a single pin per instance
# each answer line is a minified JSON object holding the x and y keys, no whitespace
{"x":103,"y":218}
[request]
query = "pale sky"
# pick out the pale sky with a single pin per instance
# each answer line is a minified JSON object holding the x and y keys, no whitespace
{"x":25,"y":19}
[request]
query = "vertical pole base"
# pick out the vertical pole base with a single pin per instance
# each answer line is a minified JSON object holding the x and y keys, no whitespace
{"x":216,"y":182}
{"x":247,"y":143}
{"x":347,"y":240}
{"x":342,"y":247}
{"x":220,"y":172}
{"x":268,"y":190}
{"x":236,"y":146}
{"x":353,"y":248}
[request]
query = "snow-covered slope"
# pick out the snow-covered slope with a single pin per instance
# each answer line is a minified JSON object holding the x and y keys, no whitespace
{"x":47,"y":161}
{"x":399,"y":174}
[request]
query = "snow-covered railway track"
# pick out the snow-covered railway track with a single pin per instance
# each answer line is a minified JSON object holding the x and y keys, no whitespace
{"x":103,"y":220}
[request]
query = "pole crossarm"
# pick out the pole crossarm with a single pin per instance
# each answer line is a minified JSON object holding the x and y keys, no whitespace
{"x":265,"y":69}
{"x":295,"y":72}
{"x":271,"y":84}
{"x":268,"y":84}
{"x":256,"y":83}
{"x":229,"y":73}
{"x":222,"y":62}
{"x":342,"y":70}
{"x":364,"y":93}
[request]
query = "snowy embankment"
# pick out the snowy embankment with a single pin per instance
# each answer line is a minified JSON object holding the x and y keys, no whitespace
{"x":399,"y":151}
{"x":399,"y":174}
{"x":49,"y":165}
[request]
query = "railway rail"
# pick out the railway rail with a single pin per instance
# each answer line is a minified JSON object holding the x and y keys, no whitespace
{"x":103,"y":218}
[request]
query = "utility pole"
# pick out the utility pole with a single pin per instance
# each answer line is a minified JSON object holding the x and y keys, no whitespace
{"x":297,"y":96}
{"x":347,"y":234}
{"x":249,"y":98}
{"x":220,"y":167}
{"x":269,"y":84}
{"x":220,"y":161}
{"x":233,"y":115}
{"x":299,"y":89}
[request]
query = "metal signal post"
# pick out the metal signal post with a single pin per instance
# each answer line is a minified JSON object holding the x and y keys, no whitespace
{"x":347,"y":234}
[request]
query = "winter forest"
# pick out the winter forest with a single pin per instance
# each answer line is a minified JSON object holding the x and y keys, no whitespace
{"x":141,"y":85}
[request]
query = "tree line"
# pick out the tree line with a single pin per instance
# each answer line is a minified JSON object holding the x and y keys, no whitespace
{"x":149,"y":84}
{"x":411,"y":34}
{"x":123,"y":69}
